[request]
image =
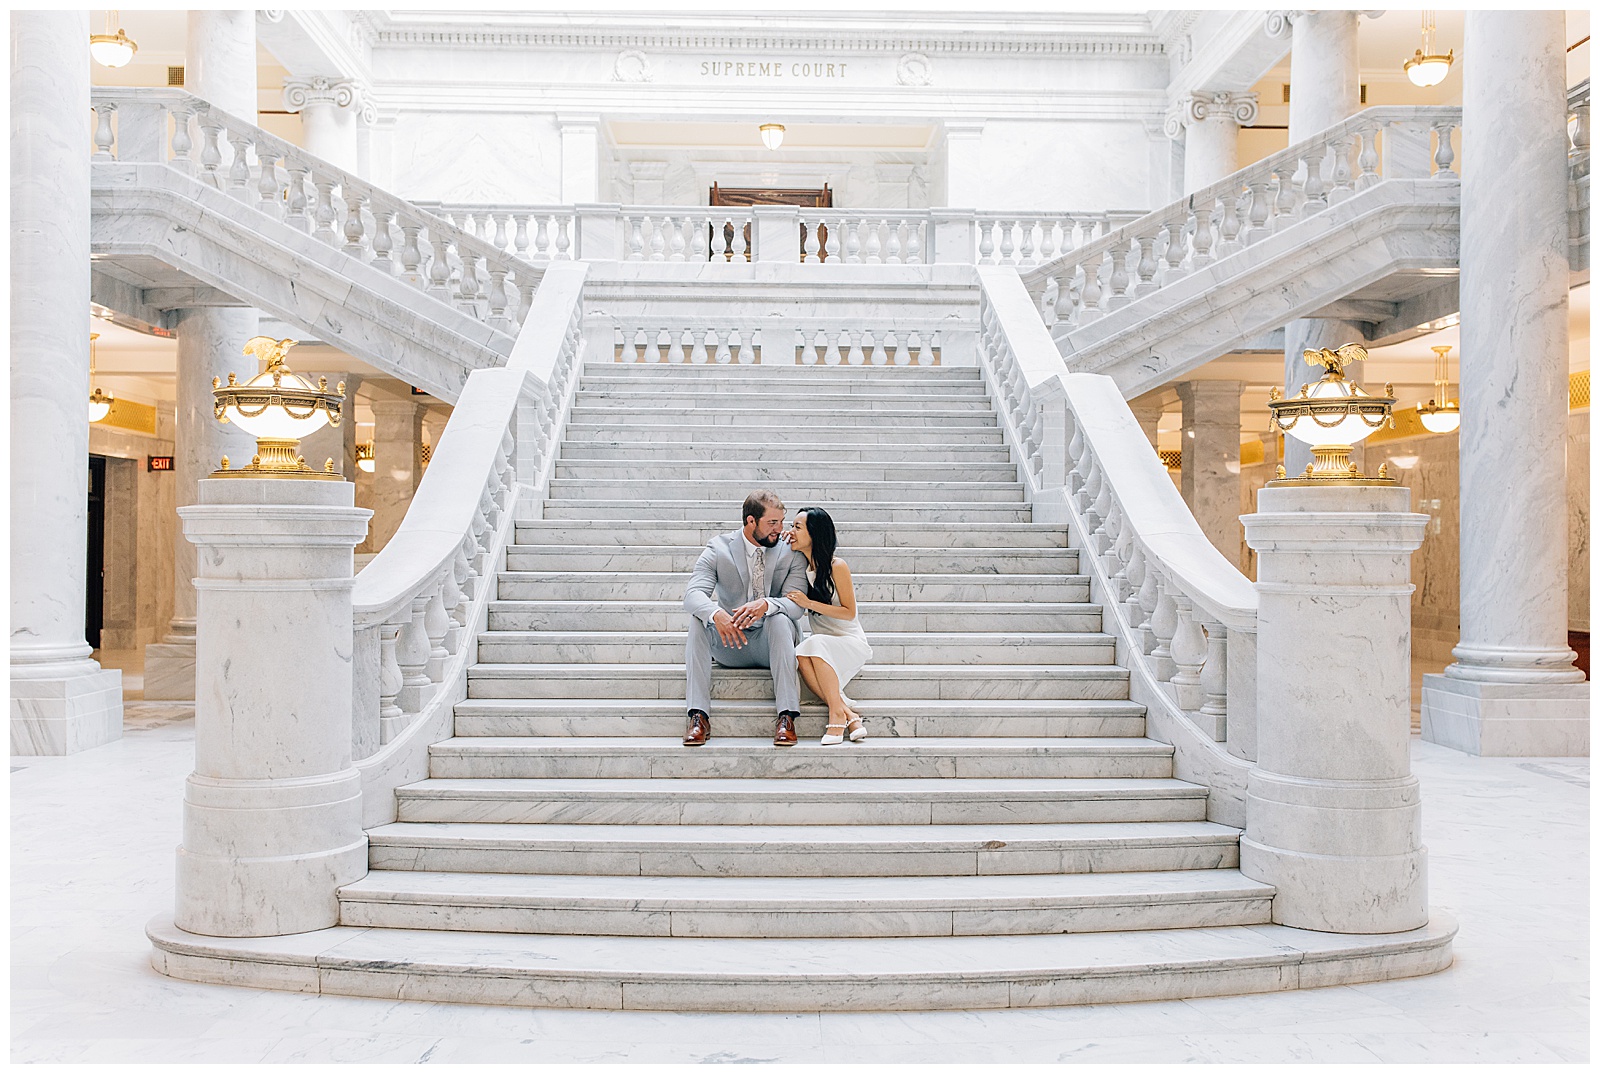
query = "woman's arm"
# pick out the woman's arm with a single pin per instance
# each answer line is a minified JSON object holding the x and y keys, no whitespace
{"x":846,"y":608}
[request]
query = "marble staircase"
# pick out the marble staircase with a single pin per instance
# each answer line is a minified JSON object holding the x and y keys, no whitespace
{"x":1007,"y":836}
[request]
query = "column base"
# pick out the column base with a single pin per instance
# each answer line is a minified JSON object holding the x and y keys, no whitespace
{"x":1494,"y":719}
{"x":1337,"y":893}
{"x":77,"y":710}
{"x":169,"y":671}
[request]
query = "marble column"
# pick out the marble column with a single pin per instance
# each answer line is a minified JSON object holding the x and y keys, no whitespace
{"x":1148,"y":414}
{"x":1210,"y":473}
{"x":220,"y":62}
{"x":1332,"y":811}
{"x":62,"y":701}
{"x":329,"y":107}
{"x":580,"y":158}
{"x":963,"y":154}
{"x":210,"y":344}
{"x":1324,"y":89}
{"x":397,"y":453}
{"x":272,"y":811}
{"x":1209,"y":123}
{"x":1513,"y":689}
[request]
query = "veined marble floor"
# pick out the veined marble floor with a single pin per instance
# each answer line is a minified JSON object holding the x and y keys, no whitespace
{"x":92,"y":839}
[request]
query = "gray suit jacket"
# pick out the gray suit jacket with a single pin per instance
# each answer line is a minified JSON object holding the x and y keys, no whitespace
{"x":721,"y":578}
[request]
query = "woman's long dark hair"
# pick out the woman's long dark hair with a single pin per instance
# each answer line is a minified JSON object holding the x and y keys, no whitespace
{"x":824,"y":541}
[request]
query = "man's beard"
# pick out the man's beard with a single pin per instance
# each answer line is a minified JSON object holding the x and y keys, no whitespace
{"x":768,"y":542}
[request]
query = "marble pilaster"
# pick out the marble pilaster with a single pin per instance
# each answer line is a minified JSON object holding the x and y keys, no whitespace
{"x":1513,"y":688}
{"x":220,"y":61}
{"x":580,"y":158}
{"x":397,"y":453}
{"x":1209,"y":123}
{"x":329,"y":107}
{"x":272,"y":811}
{"x":210,"y":344}
{"x":1333,"y":813}
{"x":62,"y":701}
{"x":1210,"y":471}
{"x":963,"y":154}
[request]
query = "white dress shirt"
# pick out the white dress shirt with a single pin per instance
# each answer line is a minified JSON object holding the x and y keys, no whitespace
{"x":750,"y":550}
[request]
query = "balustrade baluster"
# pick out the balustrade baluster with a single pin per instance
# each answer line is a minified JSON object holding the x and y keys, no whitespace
{"x":411,"y":650}
{"x":655,"y":355}
{"x":210,"y":147}
{"x":104,"y":139}
{"x":541,"y":239}
{"x":563,"y":238}
{"x":527,"y":285}
{"x":871,"y":353}
{"x":354,"y":227}
{"x":633,"y":346}
{"x":1120,"y":252}
{"x":182,"y":143}
{"x":986,"y":242}
{"x":1121,"y":553}
{"x":892,"y":250}
{"x":391,"y":717}
{"x":1147,"y":265}
{"x":502,"y":222}
{"x":1149,"y":598}
{"x":269,"y":197}
{"x":325,"y":213}
{"x":925,"y":345}
{"x":1177,"y":230}
{"x":811,"y":243}
{"x":1200,"y":244}
{"x":678,"y":244}
{"x":468,"y":292}
{"x":1228,"y":225}
{"x":439,"y":266}
{"x":635,"y":226}
{"x":299,"y":206}
{"x":746,"y":350}
{"x":658,"y":239}
{"x":1102,"y":512}
{"x":913,"y":254}
{"x":436,"y":622}
{"x":1025,"y":250}
{"x":1342,"y":186}
{"x":871,"y":246}
{"x":1315,"y":189}
{"x":1007,"y":246}
{"x":411,"y":253}
{"x":739,"y":250}
{"x":461,"y":573}
{"x":852,"y":241}
{"x":497,"y":299}
{"x":697,"y":352}
{"x":519,"y":240}
{"x":1047,"y":240}
{"x":1163,"y":625}
{"x":1089,"y":295}
{"x":1089,"y":501}
{"x":1188,"y":655}
{"x":1260,"y":209}
{"x":831,"y":241}
{"x":681,"y":343}
{"x":894,"y":350}
{"x":1133,"y":574}
{"x":239,"y":172}
{"x":1214,"y":678}
{"x":1444,"y":154}
{"x":383,"y":239}
{"x":699,"y":240}
{"x":1368,"y":160}
{"x":831,"y":355}
{"x":1283,"y":207}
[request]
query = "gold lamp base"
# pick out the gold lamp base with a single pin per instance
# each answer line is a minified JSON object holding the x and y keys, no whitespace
{"x":278,"y":459}
{"x":1331,"y":465}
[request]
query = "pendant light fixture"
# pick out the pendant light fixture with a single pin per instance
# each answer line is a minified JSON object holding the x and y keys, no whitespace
{"x":1428,"y":67}
{"x":1440,"y":414}
{"x":772,"y":135}
{"x":112,"y":49}
{"x":99,"y":401}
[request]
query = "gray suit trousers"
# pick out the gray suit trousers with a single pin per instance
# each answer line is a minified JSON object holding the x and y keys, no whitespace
{"x":772,"y":646}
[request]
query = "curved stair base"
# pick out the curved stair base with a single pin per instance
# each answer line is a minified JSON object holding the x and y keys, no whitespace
{"x":903,"y":974}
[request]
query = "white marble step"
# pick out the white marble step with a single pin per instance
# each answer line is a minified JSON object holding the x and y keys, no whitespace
{"x":780,"y":434}
{"x":622,"y":646}
{"x":799,"y":801}
{"x":657,"y":490}
{"x":681,"y":558}
{"x":521,"y":757}
{"x":820,"y":399}
{"x":657,"y":585}
{"x":896,"y":682}
{"x":677,"y":451}
{"x":1010,"y":617}
{"x":733,"y":720}
{"x":929,"y":533}
{"x":796,"y":907}
{"x":1004,"y":849}
{"x":751,"y":419}
{"x":716,"y":466}
{"x":716,"y":513}
{"x":810,"y":974}
{"x":871,"y":376}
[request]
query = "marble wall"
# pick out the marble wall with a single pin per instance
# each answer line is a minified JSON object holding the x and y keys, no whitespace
{"x":471,"y":157}
{"x":141,"y":526}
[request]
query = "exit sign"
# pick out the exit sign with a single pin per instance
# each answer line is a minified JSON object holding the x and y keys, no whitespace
{"x":160,"y":462}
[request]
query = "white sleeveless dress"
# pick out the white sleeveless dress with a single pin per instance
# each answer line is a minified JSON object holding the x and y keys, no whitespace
{"x":840,"y":642}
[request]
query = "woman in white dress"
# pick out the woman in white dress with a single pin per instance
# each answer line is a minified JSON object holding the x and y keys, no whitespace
{"x":837,"y":647}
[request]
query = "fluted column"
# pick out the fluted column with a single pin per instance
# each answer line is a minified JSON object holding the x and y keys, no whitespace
{"x":219,"y":67}
{"x":62,"y":701}
{"x":1209,"y":124}
{"x":1513,"y":689}
{"x":1210,"y":474}
{"x":329,"y":107}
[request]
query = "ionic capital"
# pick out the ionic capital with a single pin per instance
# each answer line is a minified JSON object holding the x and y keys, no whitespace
{"x":342,"y":93}
{"x":1194,"y":108}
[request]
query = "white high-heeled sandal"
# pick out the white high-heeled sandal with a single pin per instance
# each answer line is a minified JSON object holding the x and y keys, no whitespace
{"x":830,"y":739}
{"x":856,"y":729}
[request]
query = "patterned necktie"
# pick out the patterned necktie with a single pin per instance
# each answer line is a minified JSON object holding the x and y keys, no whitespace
{"x":758,"y":575}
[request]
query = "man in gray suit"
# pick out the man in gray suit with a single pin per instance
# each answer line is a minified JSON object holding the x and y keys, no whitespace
{"x":740,"y":616}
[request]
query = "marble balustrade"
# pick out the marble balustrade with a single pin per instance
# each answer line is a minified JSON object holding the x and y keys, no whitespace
{"x":1183,"y":615}
{"x":284,"y":182}
{"x":675,"y":342}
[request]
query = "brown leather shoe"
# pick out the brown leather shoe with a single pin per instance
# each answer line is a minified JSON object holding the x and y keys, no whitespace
{"x":783,"y":734}
{"x":699,"y":729}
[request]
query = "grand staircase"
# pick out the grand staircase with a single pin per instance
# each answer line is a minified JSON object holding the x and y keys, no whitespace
{"x":1006,"y":837}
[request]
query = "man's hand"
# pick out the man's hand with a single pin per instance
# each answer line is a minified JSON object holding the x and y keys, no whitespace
{"x":746,"y":616}
{"x":728,"y":630}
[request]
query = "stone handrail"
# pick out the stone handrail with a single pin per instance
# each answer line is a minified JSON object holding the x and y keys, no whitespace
{"x":283,"y":181}
{"x":422,"y":601}
{"x":1184,"y":617}
{"x":1224,"y":218}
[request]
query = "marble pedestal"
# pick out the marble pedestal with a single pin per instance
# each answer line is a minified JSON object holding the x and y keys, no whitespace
{"x":1495,"y":719}
{"x":272,"y":811}
{"x":60,"y":709}
{"x":169,"y":669}
{"x":1333,"y":813}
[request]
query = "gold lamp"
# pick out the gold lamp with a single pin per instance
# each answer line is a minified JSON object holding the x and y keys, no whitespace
{"x":1441,"y":414}
{"x":1332,"y":416}
{"x":99,"y":401}
{"x":1427,"y":67}
{"x":112,"y":49}
{"x":772,"y":135}
{"x":365,"y":459}
{"x":278,"y":408}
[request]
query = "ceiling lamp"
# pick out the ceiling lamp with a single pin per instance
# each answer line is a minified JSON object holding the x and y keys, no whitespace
{"x":1332,"y":416}
{"x":99,"y":401}
{"x":1440,"y":414}
{"x":365,"y":459}
{"x":278,"y":408}
{"x":772,"y":135}
{"x":1427,"y":67}
{"x":112,"y":49}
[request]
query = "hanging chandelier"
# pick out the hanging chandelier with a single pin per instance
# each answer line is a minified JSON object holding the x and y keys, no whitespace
{"x":112,"y":49}
{"x":1440,"y":414}
{"x":1428,"y":67}
{"x":99,"y":401}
